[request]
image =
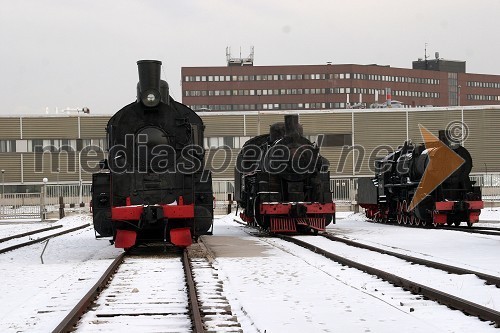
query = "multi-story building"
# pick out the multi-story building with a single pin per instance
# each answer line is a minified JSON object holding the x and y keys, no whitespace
{"x":241,"y":86}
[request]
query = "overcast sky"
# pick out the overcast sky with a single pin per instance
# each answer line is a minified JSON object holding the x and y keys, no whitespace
{"x":83,"y":53}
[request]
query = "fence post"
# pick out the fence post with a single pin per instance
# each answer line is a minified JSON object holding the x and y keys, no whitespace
{"x":61,"y":207}
{"x":230,"y":202}
{"x":42,"y":199}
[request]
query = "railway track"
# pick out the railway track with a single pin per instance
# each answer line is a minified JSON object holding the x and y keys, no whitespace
{"x":472,"y":230}
{"x":160,"y":292}
{"x":29,"y":233}
{"x":489,"y":279}
{"x":13,"y":245}
{"x":453,"y":301}
{"x":429,"y":290}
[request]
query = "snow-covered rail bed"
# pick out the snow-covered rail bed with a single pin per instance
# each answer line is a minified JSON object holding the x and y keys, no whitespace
{"x":214,"y":307}
{"x":282,"y":287}
{"x":160,"y":293}
{"x":27,"y":240}
{"x":146,"y":294}
{"x":488,"y":278}
{"x":464,"y":292}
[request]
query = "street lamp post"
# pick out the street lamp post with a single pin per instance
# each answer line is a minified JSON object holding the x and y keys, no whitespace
{"x":3,"y":189}
{"x":58,"y":191}
{"x":3,"y":183}
{"x":43,"y":199}
{"x":458,"y":97}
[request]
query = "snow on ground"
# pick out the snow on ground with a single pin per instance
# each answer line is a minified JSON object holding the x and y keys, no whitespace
{"x":290,"y":289}
{"x":472,"y":251}
{"x":35,"y":295}
{"x":272,"y":286}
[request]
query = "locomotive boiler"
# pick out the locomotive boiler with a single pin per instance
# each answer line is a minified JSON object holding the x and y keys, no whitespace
{"x":282,"y":181}
{"x":399,"y":175}
{"x":152,"y":186}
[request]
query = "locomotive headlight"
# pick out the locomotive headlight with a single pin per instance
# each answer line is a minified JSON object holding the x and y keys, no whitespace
{"x":150,"y":97}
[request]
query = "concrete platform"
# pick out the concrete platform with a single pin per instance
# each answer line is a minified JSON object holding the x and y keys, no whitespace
{"x":234,"y":246}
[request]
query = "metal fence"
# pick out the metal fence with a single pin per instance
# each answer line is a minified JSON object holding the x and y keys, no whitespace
{"x":20,"y":206}
{"x":490,"y":185}
{"x":344,"y":190}
{"x":73,"y":194}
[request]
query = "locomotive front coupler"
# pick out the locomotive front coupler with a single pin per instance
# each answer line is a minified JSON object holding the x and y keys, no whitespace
{"x":151,"y":215}
{"x":298,"y":210}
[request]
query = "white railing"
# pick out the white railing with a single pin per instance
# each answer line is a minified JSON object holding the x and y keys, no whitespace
{"x":20,"y":206}
{"x":344,"y":190}
{"x":221,"y":189}
{"x":73,"y":194}
{"x":490,"y":185}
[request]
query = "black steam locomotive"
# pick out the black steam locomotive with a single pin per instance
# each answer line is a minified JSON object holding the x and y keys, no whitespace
{"x":282,"y":182}
{"x":408,"y":171}
{"x":152,"y":186}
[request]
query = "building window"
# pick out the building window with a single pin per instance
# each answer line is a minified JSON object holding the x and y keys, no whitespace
{"x":332,"y":140}
{"x":7,"y":146}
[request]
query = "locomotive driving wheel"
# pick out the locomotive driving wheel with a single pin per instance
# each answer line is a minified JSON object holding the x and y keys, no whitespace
{"x":416,"y":220}
{"x":399,"y":213}
{"x":404,"y":212}
{"x":413,"y":219}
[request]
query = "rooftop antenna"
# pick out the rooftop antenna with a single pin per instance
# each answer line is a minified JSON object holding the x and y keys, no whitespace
{"x":239,"y":61}
{"x":425,"y":55}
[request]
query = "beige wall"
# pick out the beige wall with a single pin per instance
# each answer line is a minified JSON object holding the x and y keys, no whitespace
{"x":372,"y":128}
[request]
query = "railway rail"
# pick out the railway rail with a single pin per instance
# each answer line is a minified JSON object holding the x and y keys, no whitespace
{"x":474,"y":230}
{"x":40,"y":239}
{"x":29,"y":233}
{"x":466,"y":306}
{"x":67,"y":324}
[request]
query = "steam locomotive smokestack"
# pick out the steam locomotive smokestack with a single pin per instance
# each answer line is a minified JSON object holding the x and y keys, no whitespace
{"x":443,"y":137}
{"x":149,"y":81}
{"x":292,"y":127}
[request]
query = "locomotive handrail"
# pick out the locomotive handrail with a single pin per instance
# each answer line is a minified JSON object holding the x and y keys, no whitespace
{"x":257,"y":195}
